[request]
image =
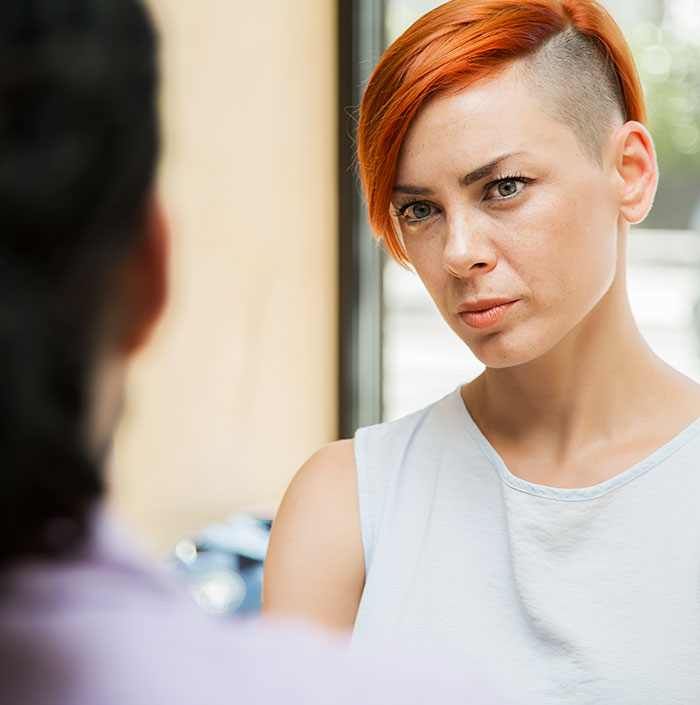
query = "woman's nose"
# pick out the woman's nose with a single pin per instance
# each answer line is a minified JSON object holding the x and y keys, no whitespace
{"x":468,"y":248}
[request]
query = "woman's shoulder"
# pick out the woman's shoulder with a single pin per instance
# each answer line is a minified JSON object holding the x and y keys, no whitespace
{"x":328,"y":473}
{"x":335,"y":462}
{"x":315,"y":567}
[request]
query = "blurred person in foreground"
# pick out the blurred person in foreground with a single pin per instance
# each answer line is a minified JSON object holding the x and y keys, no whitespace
{"x":83,"y":281}
{"x":542,"y":517}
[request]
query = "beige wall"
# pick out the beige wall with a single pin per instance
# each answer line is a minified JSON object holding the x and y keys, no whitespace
{"x":239,"y":386}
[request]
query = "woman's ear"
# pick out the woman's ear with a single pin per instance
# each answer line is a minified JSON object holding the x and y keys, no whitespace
{"x":146,"y":279}
{"x":637,"y":171}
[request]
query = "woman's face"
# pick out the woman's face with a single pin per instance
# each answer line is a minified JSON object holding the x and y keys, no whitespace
{"x":509,"y":222}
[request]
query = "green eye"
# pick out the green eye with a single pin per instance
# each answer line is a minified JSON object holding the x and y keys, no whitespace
{"x":419,"y":211}
{"x":507,"y":188}
{"x":415,"y":212}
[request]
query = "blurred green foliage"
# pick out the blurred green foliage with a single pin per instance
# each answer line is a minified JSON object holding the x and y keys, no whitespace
{"x":670,"y":72}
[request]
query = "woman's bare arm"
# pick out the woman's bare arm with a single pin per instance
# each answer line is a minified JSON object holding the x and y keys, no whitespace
{"x":315,"y":564}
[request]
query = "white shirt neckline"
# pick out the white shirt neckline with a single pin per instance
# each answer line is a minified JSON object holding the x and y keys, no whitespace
{"x":562,"y":493}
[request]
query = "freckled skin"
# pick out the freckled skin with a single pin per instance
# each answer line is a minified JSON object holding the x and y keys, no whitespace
{"x":556,"y":245}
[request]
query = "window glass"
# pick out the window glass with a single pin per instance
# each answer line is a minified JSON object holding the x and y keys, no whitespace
{"x":423,"y":359}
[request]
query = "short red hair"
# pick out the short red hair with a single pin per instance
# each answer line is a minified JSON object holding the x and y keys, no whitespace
{"x":455,"y":45}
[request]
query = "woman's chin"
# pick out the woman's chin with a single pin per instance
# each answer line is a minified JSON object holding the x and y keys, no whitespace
{"x":501,"y":351}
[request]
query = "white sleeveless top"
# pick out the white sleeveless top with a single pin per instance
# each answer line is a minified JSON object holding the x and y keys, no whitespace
{"x":573,"y":596}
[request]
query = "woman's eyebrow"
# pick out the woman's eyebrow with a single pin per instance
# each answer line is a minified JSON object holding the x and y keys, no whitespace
{"x":473,"y":176}
{"x":486,"y":170}
{"x":413,"y":190}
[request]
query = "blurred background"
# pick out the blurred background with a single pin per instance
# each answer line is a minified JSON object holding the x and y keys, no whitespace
{"x":239,"y":386}
{"x":287,"y":326}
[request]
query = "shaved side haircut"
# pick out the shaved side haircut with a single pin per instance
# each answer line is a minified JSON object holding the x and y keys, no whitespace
{"x":576,"y":83}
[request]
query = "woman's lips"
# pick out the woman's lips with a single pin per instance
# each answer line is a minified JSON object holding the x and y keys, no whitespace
{"x":483,"y":314}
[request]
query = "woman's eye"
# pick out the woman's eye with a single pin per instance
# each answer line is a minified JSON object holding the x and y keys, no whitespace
{"x":415,"y":212}
{"x":505,"y":188}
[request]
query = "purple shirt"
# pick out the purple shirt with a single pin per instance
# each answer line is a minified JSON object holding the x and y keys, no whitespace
{"x":101,"y":628}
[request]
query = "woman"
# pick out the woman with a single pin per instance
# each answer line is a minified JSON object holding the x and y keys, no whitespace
{"x":542,"y":518}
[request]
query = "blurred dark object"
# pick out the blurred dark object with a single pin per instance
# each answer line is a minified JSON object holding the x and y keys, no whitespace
{"x":222,"y":564}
